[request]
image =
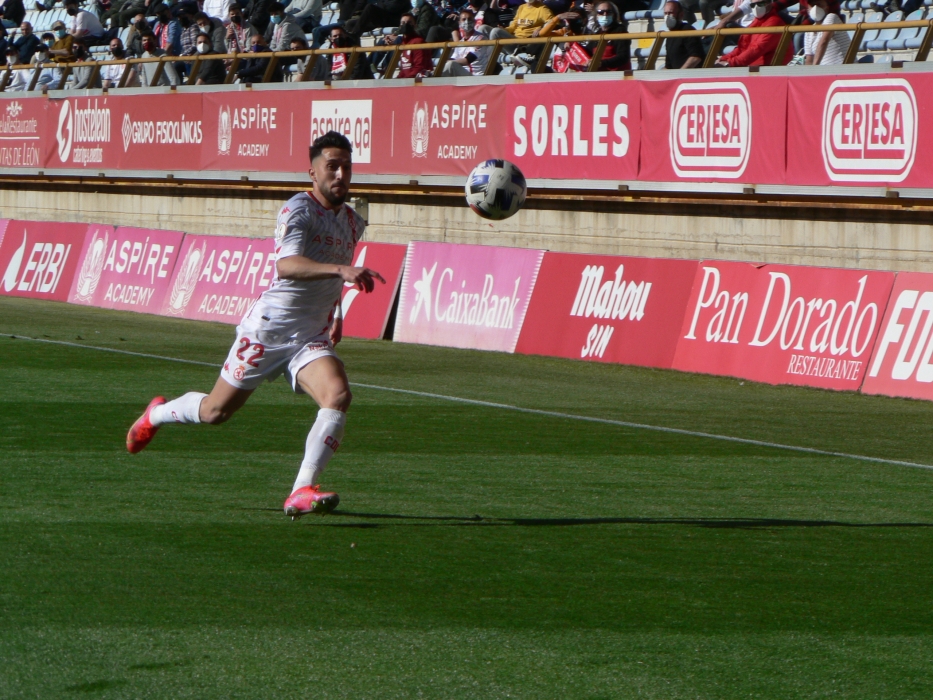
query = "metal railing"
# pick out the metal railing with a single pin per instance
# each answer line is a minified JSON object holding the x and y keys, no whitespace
{"x":718,"y":34}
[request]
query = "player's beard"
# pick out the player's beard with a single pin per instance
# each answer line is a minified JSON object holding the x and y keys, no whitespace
{"x":334,"y":199}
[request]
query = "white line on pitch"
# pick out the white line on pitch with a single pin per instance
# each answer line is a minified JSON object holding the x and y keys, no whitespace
{"x":534,"y":411}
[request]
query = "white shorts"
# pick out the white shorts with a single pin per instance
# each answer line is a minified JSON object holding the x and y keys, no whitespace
{"x":261,"y":355}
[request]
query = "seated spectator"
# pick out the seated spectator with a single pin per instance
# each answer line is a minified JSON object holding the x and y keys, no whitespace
{"x":257,"y":12}
{"x":147,"y":71}
{"x":239,"y":32}
{"x":111,"y":75}
{"x":281,"y":30}
{"x":467,"y":60}
{"x":828,"y":48}
{"x":425,"y":18}
{"x":26,"y":43}
{"x":168,"y":31}
{"x":486,"y":17}
{"x":129,"y":11}
{"x":209,"y":72}
{"x":379,"y":13}
{"x":190,"y":31}
{"x":333,"y":66}
{"x":682,"y":52}
{"x":214,"y":28}
{"x":605,"y":19}
{"x":527,"y":23}
{"x":413,"y":63}
{"x":46,"y":75}
{"x":307,"y":13}
{"x":61,"y":49}
{"x":84,"y":24}
{"x":218,"y":9}
{"x":134,"y":38}
{"x":253,"y":70}
{"x":12,"y":13}
{"x":758,"y":49}
{"x":82,"y":74}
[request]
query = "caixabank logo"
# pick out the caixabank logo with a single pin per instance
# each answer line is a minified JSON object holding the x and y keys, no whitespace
{"x":869,"y":130}
{"x":711,"y":130}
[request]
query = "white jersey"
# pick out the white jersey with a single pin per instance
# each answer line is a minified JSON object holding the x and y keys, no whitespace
{"x":304,"y":227}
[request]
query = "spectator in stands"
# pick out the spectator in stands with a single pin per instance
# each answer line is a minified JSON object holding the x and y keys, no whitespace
{"x":758,"y":49}
{"x":130,"y":11}
{"x":12,"y":13}
{"x":84,"y":24}
{"x":333,"y":66}
{"x":604,"y":19}
{"x":740,"y":15}
{"x":467,"y":60}
{"x":168,"y":31}
{"x":209,"y":72}
{"x":83,"y":74}
{"x":487,"y":17}
{"x":682,"y":52}
{"x":253,"y":70}
{"x":379,"y":13}
{"x":300,"y":44}
{"x":282,"y":28}
{"x":306,"y":12}
{"x":147,"y":71}
{"x":425,"y":18}
{"x":413,"y":63}
{"x":214,"y":28}
{"x":46,"y":75}
{"x":62,"y":48}
{"x":190,"y":30}
{"x":257,"y":12}
{"x":111,"y":75}
{"x":527,"y":23}
{"x":239,"y":32}
{"x":828,"y":48}
{"x":134,"y":43}
{"x":4,"y":40}
{"x":26,"y":43}
{"x":218,"y":9}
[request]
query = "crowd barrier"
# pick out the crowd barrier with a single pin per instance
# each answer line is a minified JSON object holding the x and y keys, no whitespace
{"x":830,"y":328}
{"x":757,"y":130}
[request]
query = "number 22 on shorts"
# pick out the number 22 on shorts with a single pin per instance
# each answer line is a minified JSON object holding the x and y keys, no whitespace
{"x":258,"y":351}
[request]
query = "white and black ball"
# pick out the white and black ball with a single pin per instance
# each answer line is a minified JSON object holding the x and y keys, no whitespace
{"x":496,"y":189}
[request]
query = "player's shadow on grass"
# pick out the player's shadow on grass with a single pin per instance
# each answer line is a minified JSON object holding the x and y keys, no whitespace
{"x":478,"y":520}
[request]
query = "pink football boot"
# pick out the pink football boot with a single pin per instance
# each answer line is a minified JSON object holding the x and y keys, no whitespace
{"x":310,"y":499}
{"x":143,"y":431}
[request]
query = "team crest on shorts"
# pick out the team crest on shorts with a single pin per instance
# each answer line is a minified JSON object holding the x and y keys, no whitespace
{"x":238,"y":373}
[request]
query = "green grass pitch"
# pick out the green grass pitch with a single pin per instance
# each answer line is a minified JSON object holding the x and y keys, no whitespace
{"x":497,"y":554}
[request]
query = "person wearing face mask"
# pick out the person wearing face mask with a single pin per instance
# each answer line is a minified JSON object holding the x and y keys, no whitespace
{"x":84,"y":24}
{"x":189,"y":33}
{"x":61,"y":49}
{"x":82,"y":74}
{"x":253,"y":70}
{"x":682,"y":52}
{"x":147,"y":71}
{"x":282,"y":28}
{"x":239,"y":31}
{"x":209,"y":72}
{"x":758,"y":49}
{"x":467,"y":60}
{"x":334,"y":66}
{"x":167,"y":31}
{"x":112,"y":74}
{"x":828,"y":48}
{"x":605,"y":19}
{"x":214,"y":28}
{"x":413,"y":63}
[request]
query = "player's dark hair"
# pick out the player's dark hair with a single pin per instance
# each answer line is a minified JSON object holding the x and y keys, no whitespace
{"x":331,"y":139}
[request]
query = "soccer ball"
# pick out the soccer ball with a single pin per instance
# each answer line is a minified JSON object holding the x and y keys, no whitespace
{"x":496,"y":189}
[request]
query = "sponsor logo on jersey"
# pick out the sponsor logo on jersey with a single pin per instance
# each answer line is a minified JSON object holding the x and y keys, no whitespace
{"x":78,"y":125}
{"x":89,"y":276}
{"x":352,"y":118}
{"x":612,"y":300}
{"x":711,"y":130}
{"x":420,"y":130}
{"x":869,"y":130}
{"x":44,"y":266}
{"x":558,"y":130}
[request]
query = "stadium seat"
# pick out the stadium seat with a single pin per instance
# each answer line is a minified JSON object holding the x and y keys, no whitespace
{"x":794,"y":9}
{"x":630,"y":16}
{"x":867,"y":5}
{"x":871,"y":34}
{"x":880,"y":42}
{"x":657,"y":14}
{"x":900,"y":43}
{"x":884,"y":58}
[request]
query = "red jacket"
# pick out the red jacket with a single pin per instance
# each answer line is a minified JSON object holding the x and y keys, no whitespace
{"x":415,"y":62}
{"x":758,"y":49}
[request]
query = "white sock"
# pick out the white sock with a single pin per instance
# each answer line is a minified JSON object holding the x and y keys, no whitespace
{"x":184,"y":409}
{"x":323,"y":441}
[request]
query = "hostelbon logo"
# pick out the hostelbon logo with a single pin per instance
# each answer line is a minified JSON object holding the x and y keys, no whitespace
{"x":78,"y":125}
{"x":869,"y":130}
{"x":711,"y":130}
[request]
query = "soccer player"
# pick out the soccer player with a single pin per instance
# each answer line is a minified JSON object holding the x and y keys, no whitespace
{"x":293,"y":326}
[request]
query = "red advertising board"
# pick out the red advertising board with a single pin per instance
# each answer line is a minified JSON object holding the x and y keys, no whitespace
{"x":869,"y":130}
{"x":783,"y":324}
{"x":217,"y":278}
{"x":901,"y":364}
{"x":366,"y":315}
{"x":127,"y":268}
{"x":22,"y":126}
{"x":465,"y":296}
{"x":714,"y":130}
{"x":608,"y":308}
{"x":39,"y":258}
{"x":129,"y":132}
{"x":586,"y":130}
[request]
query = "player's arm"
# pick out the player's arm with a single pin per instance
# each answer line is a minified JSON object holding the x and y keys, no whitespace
{"x":298,"y":267}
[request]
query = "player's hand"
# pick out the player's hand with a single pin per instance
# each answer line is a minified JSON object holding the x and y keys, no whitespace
{"x":336,"y":331}
{"x":362,"y":278}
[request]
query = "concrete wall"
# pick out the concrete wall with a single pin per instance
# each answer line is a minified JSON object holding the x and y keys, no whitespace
{"x":837,"y":237}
